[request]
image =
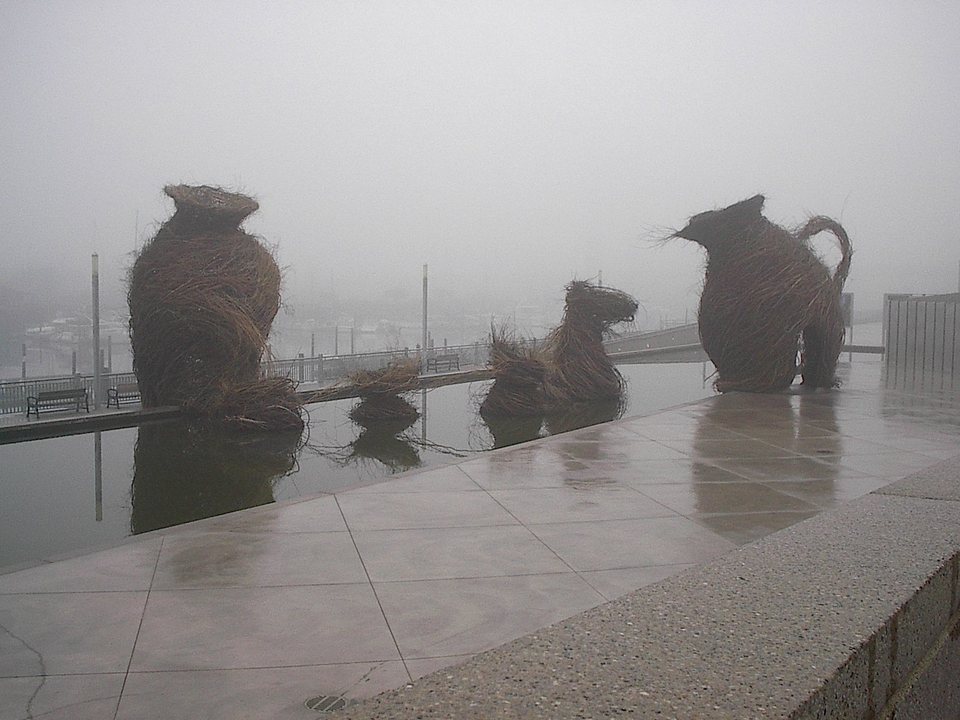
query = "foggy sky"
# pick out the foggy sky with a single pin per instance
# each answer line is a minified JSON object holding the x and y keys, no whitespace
{"x":511,"y":145}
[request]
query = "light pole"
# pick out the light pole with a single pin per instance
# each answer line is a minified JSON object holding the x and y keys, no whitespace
{"x":423,"y":346}
{"x":96,"y":330}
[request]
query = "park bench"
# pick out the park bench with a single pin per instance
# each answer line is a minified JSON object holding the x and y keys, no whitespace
{"x":53,"y":400}
{"x":443,"y":363}
{"x":123,"y":393}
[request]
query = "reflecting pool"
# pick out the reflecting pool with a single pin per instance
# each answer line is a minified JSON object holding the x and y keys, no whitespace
{"x":72,"y":494}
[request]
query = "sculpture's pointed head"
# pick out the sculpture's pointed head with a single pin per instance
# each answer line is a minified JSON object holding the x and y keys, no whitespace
{"x":713,"y":228}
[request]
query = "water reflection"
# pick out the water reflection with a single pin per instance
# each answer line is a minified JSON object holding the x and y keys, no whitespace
{"x":386,"y":442}
{"x":936,"y":408}
{"x":584,"y":414}
{"x":98,"y":475}
{"x":507,"y":431}
{"x":183,"y":472}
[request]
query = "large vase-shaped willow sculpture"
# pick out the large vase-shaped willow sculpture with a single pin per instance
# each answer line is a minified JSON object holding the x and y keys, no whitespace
{"x":203,"y":294}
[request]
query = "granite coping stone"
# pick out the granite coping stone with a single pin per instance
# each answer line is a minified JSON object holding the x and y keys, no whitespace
{"x":938,"y":482}
{"x":816,"y":620}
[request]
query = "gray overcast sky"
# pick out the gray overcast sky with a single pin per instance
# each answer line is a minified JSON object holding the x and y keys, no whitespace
{"x":512,"y":145}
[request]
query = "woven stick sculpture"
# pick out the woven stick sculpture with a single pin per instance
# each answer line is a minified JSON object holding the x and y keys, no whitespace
{"x":578,"y":367}
{"x":202,"y":295}
{"x":766,"y":298}
{"x":381,"y":393}
{"x":571,"y":367}
{"x":518,"y":390}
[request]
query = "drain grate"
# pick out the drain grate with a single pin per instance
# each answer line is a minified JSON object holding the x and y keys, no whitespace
{"x":326,"y":703}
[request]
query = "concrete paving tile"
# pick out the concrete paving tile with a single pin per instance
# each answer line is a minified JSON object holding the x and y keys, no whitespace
{"x":387,"y":511}
{"x":418,"y":667}
{"x":430,"y":618}
{"x":60,"y":697}
{"x":611,"y":544}
{"x":889,"y":465}
{"x":832,"y":445}
{"x":710,"y":471}
{"x":923,"y":442}
{"x":943,"y":454}
{"x":828,"y":493}
{"x":811,"y":412}
{"x":745,"y":528}
{"x":711,"y":449}
{"x":745,"y":419}
{"x":551,"y":505}
{"x":522,"y":469}
{"x":787,"y":431}
{"x":638,"y":474}
{"x":252,"y":693}
{"x":734,"y":497}
{"x":604,"y":434}
{"x":620,"y":581}
{"x":750,"y":401}
{"x":679,"y":431}
{"x":433,"y":553}
{"x":587,"y":452}
{"x":447,"y":478}
{"x":261,"y":627}
{"x":597,"y":474}
{"x":257,"y":559}
{"x":321,"y":514}
{"x":65,"y":633}
{"x":937,"y":481}
{"x":788,"y":427}
{"x":640,"y":449}
{"x":782,"y":469}
{"x":126,"y":567}
{"x":878,"y":429}
{"x":683,"y":417}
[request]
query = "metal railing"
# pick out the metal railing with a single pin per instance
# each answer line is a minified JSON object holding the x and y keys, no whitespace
{"x":321,"y":370}
{"x":324,"y":369}
{"x":14,"y":393}
{"x":922,"y":341}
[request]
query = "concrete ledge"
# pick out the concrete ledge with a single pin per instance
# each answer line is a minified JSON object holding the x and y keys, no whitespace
{"x":79,"y":424}
{"x":854,"y":613}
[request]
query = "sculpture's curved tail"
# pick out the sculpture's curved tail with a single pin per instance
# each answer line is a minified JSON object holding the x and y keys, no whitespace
{"x":819,"y":224}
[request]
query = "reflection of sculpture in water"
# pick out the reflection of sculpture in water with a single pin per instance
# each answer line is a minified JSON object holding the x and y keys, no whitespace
{"x":804,"y":425}
{"x":385,"y":442}
{"x":184,"y":472}
{"x":384,"y":423}
{"x":583,"y":414}
{"x":507,"y":431}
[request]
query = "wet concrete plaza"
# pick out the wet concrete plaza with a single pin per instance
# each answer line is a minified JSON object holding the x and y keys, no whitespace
{"x":354,"y":593}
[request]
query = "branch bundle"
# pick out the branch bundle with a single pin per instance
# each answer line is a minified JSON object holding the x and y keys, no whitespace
{"x":380,"y":393}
